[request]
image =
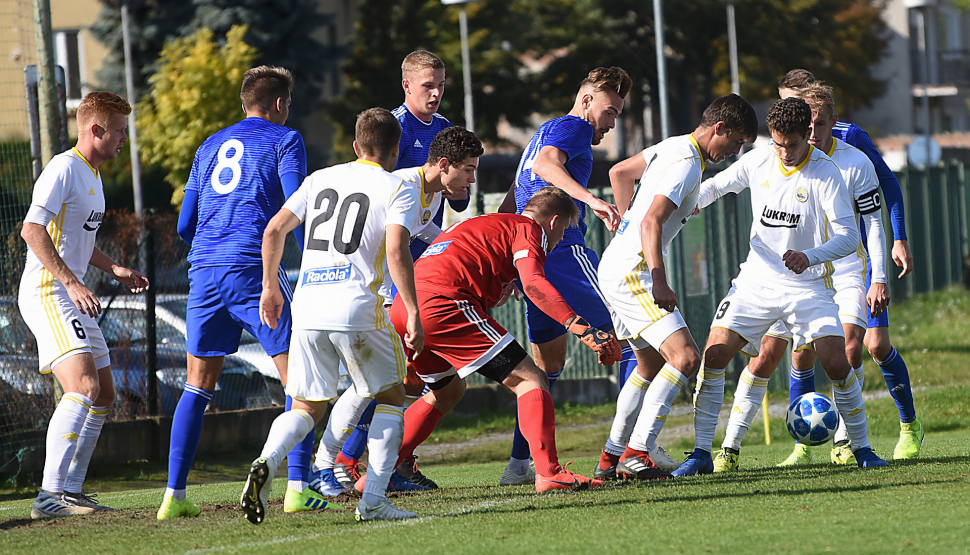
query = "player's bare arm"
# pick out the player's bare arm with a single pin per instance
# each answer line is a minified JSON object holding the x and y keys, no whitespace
{"x":508,"y":204}
{"x":134,"y":280}
{"x":623,"y":177}
{"x":401,"y":267}
{"x":271,"y":298}
{"x":550,"y":165}
{"x":651,"y":240}
{"x":39,"y":241}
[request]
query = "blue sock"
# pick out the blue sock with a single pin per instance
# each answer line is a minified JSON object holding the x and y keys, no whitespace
{"x":896,"y":374}
{"x":520,"y":447}
{"x":628,"y":364}
{"x":298,"y":460}
{"x":357,"y":442}
{"x":802,"y":382}
{"x":186,"y":431}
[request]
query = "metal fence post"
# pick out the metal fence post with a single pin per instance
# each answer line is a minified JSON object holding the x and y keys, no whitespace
{"x":151,"y":354}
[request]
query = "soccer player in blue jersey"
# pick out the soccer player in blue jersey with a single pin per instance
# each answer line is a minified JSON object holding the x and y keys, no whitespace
{"x":423,"y":81}
{"x":239,"y":180}
{"x":561,"y":154}
{"x":893,"y":367}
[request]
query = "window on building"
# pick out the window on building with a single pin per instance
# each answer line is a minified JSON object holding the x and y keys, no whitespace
{"x":67,"y":55}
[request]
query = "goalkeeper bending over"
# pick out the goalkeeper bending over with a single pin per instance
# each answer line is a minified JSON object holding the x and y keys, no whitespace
{"x":470,"y":268}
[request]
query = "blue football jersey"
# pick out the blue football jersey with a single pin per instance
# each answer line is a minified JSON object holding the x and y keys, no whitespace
{"x":574,"y":136}
{"x":416,"y":137}
{"x":236,"y":173}
{"x":891,"y":192}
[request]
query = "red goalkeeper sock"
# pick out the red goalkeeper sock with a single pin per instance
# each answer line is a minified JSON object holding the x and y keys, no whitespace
{"x":537,"y":420}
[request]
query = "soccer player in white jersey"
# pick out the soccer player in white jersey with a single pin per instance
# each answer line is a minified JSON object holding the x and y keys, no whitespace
{"x":634,"y":281}
{"x":803,"y":221}
{"x":450,"y":167}
{"x":66,"y":210}
{"x":850,"y":290}
{"x":360,"y":222}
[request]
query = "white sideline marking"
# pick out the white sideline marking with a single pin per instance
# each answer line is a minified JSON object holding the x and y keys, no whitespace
{"x":355,"y":529}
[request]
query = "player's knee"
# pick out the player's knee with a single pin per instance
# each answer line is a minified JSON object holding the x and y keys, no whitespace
{"x":878,"y":347}
{"x":686,"y":360}
{"x":105,"y":396}
{"x":717,"y":356}
{"x":853,"y":352}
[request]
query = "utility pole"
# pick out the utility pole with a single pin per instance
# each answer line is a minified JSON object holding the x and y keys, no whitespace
{"x":132,"y":127}
{"x":50,"y":116}
{"x":658,"y":31}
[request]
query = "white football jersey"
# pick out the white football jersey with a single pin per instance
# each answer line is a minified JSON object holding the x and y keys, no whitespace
{"x":430,"y":203}
{"x":70,"y":189}
{"x":863,"y":184}
{"x":674,"y":170}
{"x":791,"y":210}
{"x":346,"y":209}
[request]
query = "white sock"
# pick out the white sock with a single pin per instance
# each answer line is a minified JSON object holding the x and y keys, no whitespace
{"x":287,"y":430}
{"x":178,"y":494}
{"x":747,"y":402}
{"x":409,"y":400}
{"x":628,"y":404}
{"x":841,"y":433}
{"x":62,"y":439}
{"x":655,"y":407}
{"x":343,"y":418}
{"x":383,"y":446}
{"x":708,"y":398}
{"x":298,"y":485}
{"x":852,"y":409}
{"x":86,"y":441}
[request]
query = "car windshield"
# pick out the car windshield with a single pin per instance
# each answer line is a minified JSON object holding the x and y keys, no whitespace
{"x":122,"y":326}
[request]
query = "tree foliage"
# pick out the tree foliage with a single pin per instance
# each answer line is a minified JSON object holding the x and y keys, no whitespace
{"x":284,"y":32}
{"x":194,"y":93}
{"x":530,"y":55}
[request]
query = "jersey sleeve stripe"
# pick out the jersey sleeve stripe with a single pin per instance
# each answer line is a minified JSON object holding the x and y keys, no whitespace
{"x":520,"y":254}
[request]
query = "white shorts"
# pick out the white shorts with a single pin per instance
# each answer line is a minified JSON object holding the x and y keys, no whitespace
{"x":750,"y":311}
{"x":850,"y":296}
{"x":636,"y":317}
{"x":60,"y":329}
{"x":374,"y":359}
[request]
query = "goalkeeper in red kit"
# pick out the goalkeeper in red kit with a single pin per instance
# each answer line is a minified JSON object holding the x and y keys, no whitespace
{"x":470,"y":268}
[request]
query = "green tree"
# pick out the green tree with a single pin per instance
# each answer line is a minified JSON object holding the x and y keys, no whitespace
{"x":194,"y":93}
{"x":284,"y":32}
{"x":839,"y":40}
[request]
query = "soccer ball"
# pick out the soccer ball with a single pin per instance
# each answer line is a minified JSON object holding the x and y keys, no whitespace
{"x":812,"y":419}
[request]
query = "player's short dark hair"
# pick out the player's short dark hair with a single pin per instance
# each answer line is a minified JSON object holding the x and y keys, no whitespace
{"x":796,"y":79}
{"x":608,"y":79}
{"x":98,"y":106}
{"x":377,"y":132}
{"x":456,"y":144}
{"x":262,"y":85}
{"x":736,"y":114}
{"x":790,"y":115}
{"x":550,"y":201}
{"x":420,"y":60}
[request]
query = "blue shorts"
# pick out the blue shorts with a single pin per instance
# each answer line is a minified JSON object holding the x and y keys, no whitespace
{"x":571,"y":269}
{"x":223,"y":301}
{"x":881,"y":321}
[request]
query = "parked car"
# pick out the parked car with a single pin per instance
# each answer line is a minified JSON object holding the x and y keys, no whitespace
{"x":27,"y":397}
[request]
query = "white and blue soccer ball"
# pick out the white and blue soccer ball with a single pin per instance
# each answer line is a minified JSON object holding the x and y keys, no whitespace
{"x":812,"y":419}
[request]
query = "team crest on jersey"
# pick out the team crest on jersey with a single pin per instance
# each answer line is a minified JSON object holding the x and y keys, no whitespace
{"x":323,"y":276}
{"x":623,"y":223}
{"x":801,"y":194}
{"x":426,"y":217}
{"x":436,"y":248}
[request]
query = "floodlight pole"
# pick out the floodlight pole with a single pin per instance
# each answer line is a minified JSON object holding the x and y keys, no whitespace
{"x":132,"y":127}
{"x":466,"y":77}
{"x":733,"y":50}
{"x":658,"y":30}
